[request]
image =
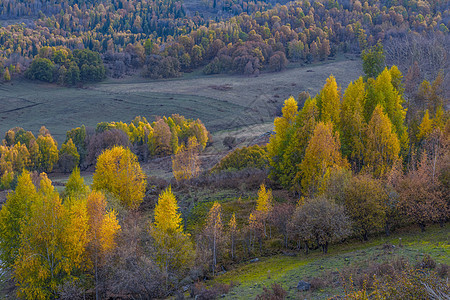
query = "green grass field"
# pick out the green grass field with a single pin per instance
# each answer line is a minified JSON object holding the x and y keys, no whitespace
{"x":221,"y":101}
{"x":287,"y":271}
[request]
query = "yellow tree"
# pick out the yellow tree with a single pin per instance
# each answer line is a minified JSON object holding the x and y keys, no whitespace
{"x":13,"y":212}
{"x":214,"y":232}
{"x":383,"y":92}
{"x":352,"y":124}
{"x":322,"y":154}
{"x":287,"y":147}
{"x":329,"y":102}
{"x":118,"y":172}
{"x":173,"y":248}
{"x":426,"y":127}
{"x":75,"y":187}
{"x":279,"y":142}
{"x":264,"y":204}
{"x":103,"y":227}
{"x":186,"y":162}
{"x":48,"y":150}
{"x":382,"y":146}
{"x":233,"y":232}
{"x":53,"y":241}
{"x":68,"y":156}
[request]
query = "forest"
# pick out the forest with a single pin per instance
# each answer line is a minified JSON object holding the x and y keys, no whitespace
{"x":160,"y":39}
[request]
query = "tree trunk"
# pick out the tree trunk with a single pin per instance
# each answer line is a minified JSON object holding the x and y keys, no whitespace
{"x":232,"y":247}
{"x":387,"y":229}
{"x":325,"y":248}
{"x":422,"y":227}
{"x":365,"y":237}
{"x":96,"y":277}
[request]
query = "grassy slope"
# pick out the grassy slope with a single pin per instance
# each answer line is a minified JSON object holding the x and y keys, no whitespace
{"x":220,"y":101}
{"x":289,"y":270}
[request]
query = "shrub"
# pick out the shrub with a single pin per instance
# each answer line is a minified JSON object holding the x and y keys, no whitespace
{"x":276,"y":292}
{"x":254,"y":157}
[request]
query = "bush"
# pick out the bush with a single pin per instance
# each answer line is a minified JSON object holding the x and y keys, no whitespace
{"x":276,"y":292}
{"x":201,"y":292}
{"x":41,"y":69}
{"x":254,"y":157}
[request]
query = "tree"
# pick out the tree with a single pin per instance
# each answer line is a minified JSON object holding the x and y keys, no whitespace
{"x":159,"y":141}
{"x":119,"y":172}
{"x":352,"y":124}
{"x":279,"y":141}
{"x":329,"y":102}
{"x":322,"y":221}
{"x":173,"y":248}
{"x":214,"y":232}
{"x":48,"y":150}
{"x":280,"y":216}
{"x":41,"y":69}
{"x":233,"y":232}
{"x":382,"y":146}
{"x":383,"y":92}
{"x":286,"y":148}
{"x":75,"y":187}
{"x":6,"y":75}
{"x":186,"y":162}
{"x":103,"y":228}
{"x":426,"y":126}
{"x":13,"y":212}
{"x":68,"y":156}
{"x":322,"y":154}
{"x":52,"y":243}
{"x":253,"y":157}
{"x":264,"y":204}
{"x":422,"y":197}
{"x":365,"y":202}
{"x":256,"y":228}
{"x":373,"y":60}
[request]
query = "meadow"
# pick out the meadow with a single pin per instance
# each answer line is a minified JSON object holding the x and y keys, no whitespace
{"x":222,"y":102}
{"x":409,"y":244}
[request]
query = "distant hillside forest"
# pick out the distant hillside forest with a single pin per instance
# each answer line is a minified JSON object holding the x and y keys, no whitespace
{"x":66,"y":41}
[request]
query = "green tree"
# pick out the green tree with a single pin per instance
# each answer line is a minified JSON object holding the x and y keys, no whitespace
{"x":68,"y":156}
{"x":352,"y":123}
{"x":75,"y":187}
{"x":41,"y":69}
{"x":373,"y":60}
{"x":287,"y":148}
{"x":12,"y":214}
{"x":279,"y":142}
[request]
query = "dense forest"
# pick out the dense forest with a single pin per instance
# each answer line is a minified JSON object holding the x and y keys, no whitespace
{"x":159,"y":39}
